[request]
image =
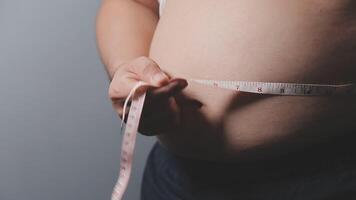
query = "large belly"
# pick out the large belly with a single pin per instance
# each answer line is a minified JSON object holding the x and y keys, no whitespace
{"x":272,"y":41}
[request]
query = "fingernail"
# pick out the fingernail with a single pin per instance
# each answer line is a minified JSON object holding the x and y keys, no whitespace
{"x":159,"y":78}
{"x":183,"y":83}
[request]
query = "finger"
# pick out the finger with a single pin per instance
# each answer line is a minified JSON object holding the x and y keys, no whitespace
{"x":147,"y":70}
{"x":118,"y":105}
{"x":171,"y":89}
{"x":120,"y":87}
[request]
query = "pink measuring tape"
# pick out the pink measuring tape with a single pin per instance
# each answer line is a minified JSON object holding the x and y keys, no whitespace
{"x":138,"y":99}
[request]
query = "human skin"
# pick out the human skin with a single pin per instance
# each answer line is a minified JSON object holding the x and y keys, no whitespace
{"x":270,"y":40}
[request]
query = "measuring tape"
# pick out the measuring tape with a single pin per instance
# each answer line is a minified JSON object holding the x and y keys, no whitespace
{"x":138,"y":98}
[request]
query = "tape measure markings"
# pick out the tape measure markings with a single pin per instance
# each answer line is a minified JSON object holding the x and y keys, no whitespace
{"x":292,"y":89}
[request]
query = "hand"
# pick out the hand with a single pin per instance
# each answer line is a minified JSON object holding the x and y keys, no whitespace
{"x":161,"y":112}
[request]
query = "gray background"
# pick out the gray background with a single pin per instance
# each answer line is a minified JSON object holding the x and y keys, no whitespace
{"x":59,"y":137}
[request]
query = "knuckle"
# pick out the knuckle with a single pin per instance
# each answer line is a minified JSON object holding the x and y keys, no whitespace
{"x":114,"y":92}
{"x":118,"y":86}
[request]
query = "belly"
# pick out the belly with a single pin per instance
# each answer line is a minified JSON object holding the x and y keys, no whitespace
{"x":271,"y":41}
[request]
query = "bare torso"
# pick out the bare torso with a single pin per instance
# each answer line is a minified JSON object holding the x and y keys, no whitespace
{"x":269,"y":40}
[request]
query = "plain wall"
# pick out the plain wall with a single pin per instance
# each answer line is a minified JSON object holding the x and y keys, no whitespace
{"x":59,"y":137}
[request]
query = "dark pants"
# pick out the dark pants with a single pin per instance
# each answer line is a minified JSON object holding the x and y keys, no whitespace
{"x":324,"y":172}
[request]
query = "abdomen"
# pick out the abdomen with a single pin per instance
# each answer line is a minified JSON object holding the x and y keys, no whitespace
{"x":272,"y":41}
